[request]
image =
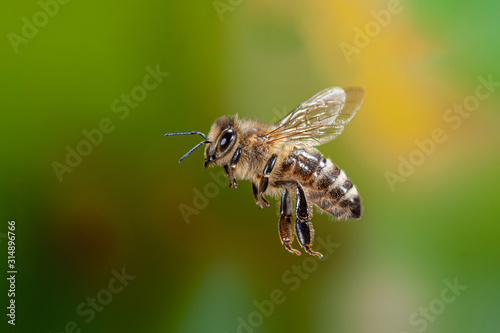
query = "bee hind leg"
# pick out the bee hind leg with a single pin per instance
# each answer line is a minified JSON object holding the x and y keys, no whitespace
{"x":285,"y":224}
{"x":303,"y":228}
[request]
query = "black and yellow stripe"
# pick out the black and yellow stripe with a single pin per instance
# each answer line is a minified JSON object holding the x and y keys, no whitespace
{"x":326,"y":185}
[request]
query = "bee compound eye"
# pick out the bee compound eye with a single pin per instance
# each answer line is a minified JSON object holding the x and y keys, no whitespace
{"x":226,"y":139}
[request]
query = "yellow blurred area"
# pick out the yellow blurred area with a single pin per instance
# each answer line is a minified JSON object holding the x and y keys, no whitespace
{"x":401,"y":102}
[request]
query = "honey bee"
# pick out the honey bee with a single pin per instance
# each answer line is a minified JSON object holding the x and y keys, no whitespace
{"x":281,"y":159}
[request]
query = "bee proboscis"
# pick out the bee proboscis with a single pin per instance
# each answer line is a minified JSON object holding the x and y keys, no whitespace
{"x":281,"y":159}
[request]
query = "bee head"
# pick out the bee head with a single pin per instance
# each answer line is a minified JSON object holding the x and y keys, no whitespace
{"x":222,"y":141}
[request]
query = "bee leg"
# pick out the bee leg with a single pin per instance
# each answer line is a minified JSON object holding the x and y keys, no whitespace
{"x":258,"y":192}
{"x":255,"y":195}
{"x":285,"y":225}
{"x":303,"y":228}
{"x":232,"y":165}
{"x":264,"y":181}
{"x":230,"y":174}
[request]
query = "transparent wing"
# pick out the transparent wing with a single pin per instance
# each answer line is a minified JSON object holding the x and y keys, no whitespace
{"x":319,"y":119}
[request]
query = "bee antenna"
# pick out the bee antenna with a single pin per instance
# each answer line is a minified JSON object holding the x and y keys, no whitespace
{"x":195,"y":147}
{"x":184,"y":133}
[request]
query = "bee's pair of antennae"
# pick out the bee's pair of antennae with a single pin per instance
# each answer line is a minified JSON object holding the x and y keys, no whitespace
{"x":195,"y":147}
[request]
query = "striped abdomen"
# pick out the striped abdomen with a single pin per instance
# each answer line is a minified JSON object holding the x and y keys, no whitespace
{"x":326,"y":185}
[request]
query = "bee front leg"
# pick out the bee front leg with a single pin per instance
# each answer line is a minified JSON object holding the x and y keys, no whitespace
{"x":230,"y":168}
{"x":285,"y":225}
{"x":230,"y":174}
{"x":303,"y":228}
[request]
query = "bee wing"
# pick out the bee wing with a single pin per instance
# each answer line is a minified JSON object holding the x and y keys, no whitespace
{"x":319,"y":119}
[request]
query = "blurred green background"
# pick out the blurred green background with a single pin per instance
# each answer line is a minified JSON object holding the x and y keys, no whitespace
{"x":119,"y":207}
